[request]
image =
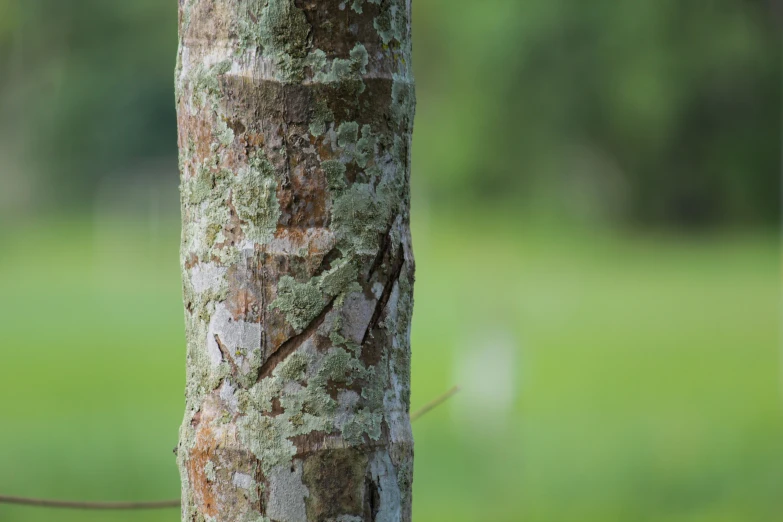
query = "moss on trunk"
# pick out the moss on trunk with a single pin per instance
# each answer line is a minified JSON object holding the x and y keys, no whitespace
{"x":295,"y":120}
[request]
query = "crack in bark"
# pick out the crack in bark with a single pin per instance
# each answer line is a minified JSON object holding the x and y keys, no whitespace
{"x":284,"y":125}
{"x":387,"y":290}
{"x":372,"y":498}
{"x":385,"y":245}
{"x":326,"y":262}
{"x":260,"y":273}
{"x":290,"y":346}
{"x":226,"y":356}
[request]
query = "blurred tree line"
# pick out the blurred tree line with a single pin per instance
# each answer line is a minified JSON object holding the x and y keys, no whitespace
{"x":658,"y":112}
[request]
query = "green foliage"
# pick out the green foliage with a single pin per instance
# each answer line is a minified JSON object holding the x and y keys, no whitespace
{"x":87,"y":88}
{"x":647,"y":373}
{"x":662,"y":112}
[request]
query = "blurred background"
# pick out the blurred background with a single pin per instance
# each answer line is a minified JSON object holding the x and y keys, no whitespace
{"x":595,"y":208}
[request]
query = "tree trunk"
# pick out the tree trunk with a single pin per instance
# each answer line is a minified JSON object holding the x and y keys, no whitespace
{"x":295,"y":119}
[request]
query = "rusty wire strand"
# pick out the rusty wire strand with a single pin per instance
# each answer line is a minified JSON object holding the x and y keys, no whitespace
{"x":434,"y":403}
{"x":70,"y":504}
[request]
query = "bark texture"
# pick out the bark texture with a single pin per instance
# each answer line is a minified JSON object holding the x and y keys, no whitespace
{"x":295,"y":118}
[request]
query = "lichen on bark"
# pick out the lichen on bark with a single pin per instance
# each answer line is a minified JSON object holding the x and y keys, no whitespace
{"x":294,"y":121}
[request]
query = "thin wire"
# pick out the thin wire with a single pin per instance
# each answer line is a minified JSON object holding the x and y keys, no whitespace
{"x":434,"y":403}
{"x":69,"y":504}
{"x":171,"y":503}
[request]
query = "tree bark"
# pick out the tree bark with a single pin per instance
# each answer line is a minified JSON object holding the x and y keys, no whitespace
{"x":295,"y":120}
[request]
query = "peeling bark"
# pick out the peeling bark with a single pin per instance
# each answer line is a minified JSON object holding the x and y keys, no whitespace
{"x":295,"y":120}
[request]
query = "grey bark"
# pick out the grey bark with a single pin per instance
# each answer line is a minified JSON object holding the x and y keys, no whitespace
{"x":295,"y":120}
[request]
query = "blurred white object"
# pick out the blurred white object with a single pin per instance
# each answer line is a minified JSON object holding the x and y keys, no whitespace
{"x":486,"y":371}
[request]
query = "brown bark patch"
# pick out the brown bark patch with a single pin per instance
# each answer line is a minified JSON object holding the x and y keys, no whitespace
{"x":209,"y":22}
{"x":199,"y":456}
{"x":303,"y":199}
{"x":245,"y":293}
{"x":335,"y":479}
{"x":335,"y":31}
{"x":309,"y":442}
{"x":191,"y":261}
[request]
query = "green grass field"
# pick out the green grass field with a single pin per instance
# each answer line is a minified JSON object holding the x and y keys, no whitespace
{"x":637,"y":377}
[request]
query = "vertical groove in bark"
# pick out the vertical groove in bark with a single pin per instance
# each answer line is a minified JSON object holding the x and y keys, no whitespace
{"x":295,"y":119}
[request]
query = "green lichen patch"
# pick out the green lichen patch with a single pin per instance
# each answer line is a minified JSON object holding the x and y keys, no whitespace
{"x":254,"y":194}
{"x":365,"y":421}
{"x":209,"y":471}
{"x":206,"y":83}
{"x":339,"y":69}
{"x":255,"y":517}
{"x":293,"y":368}
{"x":198,"y":188}
{"x":335,"y":175}
{"x":347,"y":133}
{"x":359,"y":58}
{"x":202,"y":377}
{"x":187,"y":9}
{"x":223,"y":133}
{"x":340,"y":366}
{"x":360,"y":215}
{"x":405,"y":475}
{"x":284,"y":28}
{"x":185,"y":155}
{"x":300,"y":302}
{"x":391,"y":23}
{"x":267,"y":437}
{"x":401,"y":359}
{"x":321,"y":115}
{"x":280,"y":30}
{"x":403,"y":103}
{"x":365,"y":147}
{"x":340,"y":280}
{"x":305,"y":408}
{"x":357,"y":4}
{"x":302,"y":386}
{"x":212,"y":233}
